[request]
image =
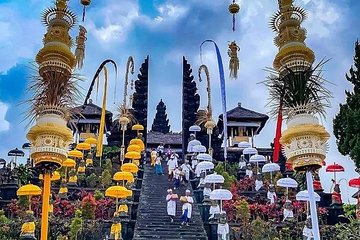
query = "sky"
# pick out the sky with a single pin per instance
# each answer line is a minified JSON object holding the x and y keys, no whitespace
{"x":166,"y":30}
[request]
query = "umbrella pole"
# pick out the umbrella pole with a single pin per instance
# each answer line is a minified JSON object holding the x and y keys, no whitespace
{"x":29,"y":202}
{"x":117,"y":203}
{"x":45,"y":207}
{"x":220,"y":206}
{"x":271,"y":177}
{"x":335,"y":177}
{"x":65,"y":174}
{"x":314,"y":216}
{"x":287,"y":193}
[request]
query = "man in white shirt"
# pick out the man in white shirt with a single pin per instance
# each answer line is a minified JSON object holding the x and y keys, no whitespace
{"x":171,"y":204}
{"x":187,"y":208}
{"x":172,"y":164}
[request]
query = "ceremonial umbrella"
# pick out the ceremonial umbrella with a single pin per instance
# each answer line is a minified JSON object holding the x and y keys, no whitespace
{"x":129,"y":167}
{"x":192,"y":144}
{"x":256,"y":159}
{"x":288,"y":183}
{"x":214,"y":178}
{"x":137,"y":127}
{"x":68,"y":163}
{"x":195,"y":128}
{"x":83,"y":146}
{"x":16,"y":153}
{"x":270,"y":167}
{"x":124,"y":176}
{"x":203,"y":166}
{"x":221,"y":194}
{"x":75,"y":154}
{"x":134,"y":148}
{"x":199,"y":149}
{"x":250,"y":151}
{"x":91,"y":141}
{"x":204,"y":157}
{"x":29,"y":190}
{"x":355,"y":182}
{"x":335,"y":168}
{"x":244,"y":145}
{"x":304,"y":196}
{"x":118,"y":192}
{"x":133,"y":156}
{"x":137,"y":141}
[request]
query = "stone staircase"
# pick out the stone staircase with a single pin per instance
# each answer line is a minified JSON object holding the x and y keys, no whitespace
{"x":152,"y":219}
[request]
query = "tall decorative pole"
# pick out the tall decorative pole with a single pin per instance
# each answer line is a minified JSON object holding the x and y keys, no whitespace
{"x":206,"y":118}
{"x":124,"y":118}
{"x":54,"y":94}
{"x":297,"y":89}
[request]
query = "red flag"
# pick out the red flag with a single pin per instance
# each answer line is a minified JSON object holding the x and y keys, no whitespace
{"x":277,"y":146}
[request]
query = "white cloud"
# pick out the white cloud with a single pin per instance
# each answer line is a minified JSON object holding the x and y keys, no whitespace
{"x":4,"y":124}
{"x":169,"y":12}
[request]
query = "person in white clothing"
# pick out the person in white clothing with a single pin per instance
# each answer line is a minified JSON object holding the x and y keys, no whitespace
{"x":172,"y":164}
{"x":214,"y":209}
{"x":171,"y":204}
{"x":194,"y":161}
{"x":186,"y":169}
{"x":288,"y":210}
{"x":186,"y":207}
{"x":271,"y":194}
{"x":176,"y":176}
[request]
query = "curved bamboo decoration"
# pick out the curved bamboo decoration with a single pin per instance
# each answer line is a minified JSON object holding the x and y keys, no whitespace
{"x":99,"y":149}
{"x":208,"y":89}
{"x":129,"y":68}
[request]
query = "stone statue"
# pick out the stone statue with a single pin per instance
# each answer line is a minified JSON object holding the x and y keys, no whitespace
{"x":214,"y":210}
{"x":206,"y":192}
{"x":249,"y":172}
{"x":72,"y":178}
{"x":223,"y":228}
{"x":258,"y":182}
{"x":288,"y":210}
{"x":28,"y":227}
{"x":307,"y":231}
{"x":336,"y":196}
{"x":115,"y":231}
{"x":242,"y":162}
{"x":271,"y":195}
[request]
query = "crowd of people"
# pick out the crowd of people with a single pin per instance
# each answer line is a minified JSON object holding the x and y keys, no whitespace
{"x":179,"y":175}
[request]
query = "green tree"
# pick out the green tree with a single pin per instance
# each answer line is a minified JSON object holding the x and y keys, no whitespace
{"x":106,"y":178}
{"x":76,"y":225}
{"x":346,"y":127}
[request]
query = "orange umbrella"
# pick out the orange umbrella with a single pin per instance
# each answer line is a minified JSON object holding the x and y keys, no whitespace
{"x":129,"y":167}
{"x":29,"y":190}
{"x":124,"y":176}
{"x":134,"y":148}
{"x":83,"y":146}
{"x":137,"y":127}
{"x":91,"y":141}
{"x":137,"y":141}
{"x":132,"y":155}
{"x":69,"y":163}
{"x":75,"y":154}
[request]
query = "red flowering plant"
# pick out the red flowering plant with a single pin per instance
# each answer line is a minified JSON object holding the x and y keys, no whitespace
{"x":36,"y":204}
{"x":88,"y":206}
{"x":14,"y":208}
{"x":103,"y":207}
{"x":63,"y":208}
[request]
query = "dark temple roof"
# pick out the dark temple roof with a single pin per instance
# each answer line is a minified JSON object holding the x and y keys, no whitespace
{"x":168,"y":138}
{"x":91,"y":109}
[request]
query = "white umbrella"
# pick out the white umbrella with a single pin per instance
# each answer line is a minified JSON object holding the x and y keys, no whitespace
{"x":204,"y":157}
{"x":244,"y":145}
{"x":221,"y":194}
{"x":304,"y":196}
{"x":288,"y":183}
{"x":203,"y":166}
{"x":256,"y":159}
{"x":195,"y":128}
{"x":214,"y":178}
{"x":250,"y":151}
{"x":199,"y":149}
{"x":270,"y":167}
{"x":192,"y":144}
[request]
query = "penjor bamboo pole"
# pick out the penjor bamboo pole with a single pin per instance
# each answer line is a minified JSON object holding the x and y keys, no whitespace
{"x":314,"y":216}
{"x":102,"y":120}
{"x":45,"y":207}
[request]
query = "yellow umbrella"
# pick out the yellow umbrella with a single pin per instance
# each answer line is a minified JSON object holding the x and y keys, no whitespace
{"x":124,"y":176}
{"x":28,"y":190}
{"x":83,"y":146}
{"x":118,"y":192}
{"x":134,"y":148}
{"x":129,"y":167}
{"x":139,"y":142}
{"x":91,"y":141}
{"x":137,"y":127}
{"x":75,"y":154}
{"x":132,"y":155}
{"x":54,"y":177}
{"x":69,"y":163}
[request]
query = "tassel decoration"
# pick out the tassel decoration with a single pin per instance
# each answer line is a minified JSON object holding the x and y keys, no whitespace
{"x":80,"y":47}
{"x":234,"y":63}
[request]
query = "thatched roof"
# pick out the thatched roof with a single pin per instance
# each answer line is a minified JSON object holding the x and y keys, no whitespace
{"x":168,"y":138}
